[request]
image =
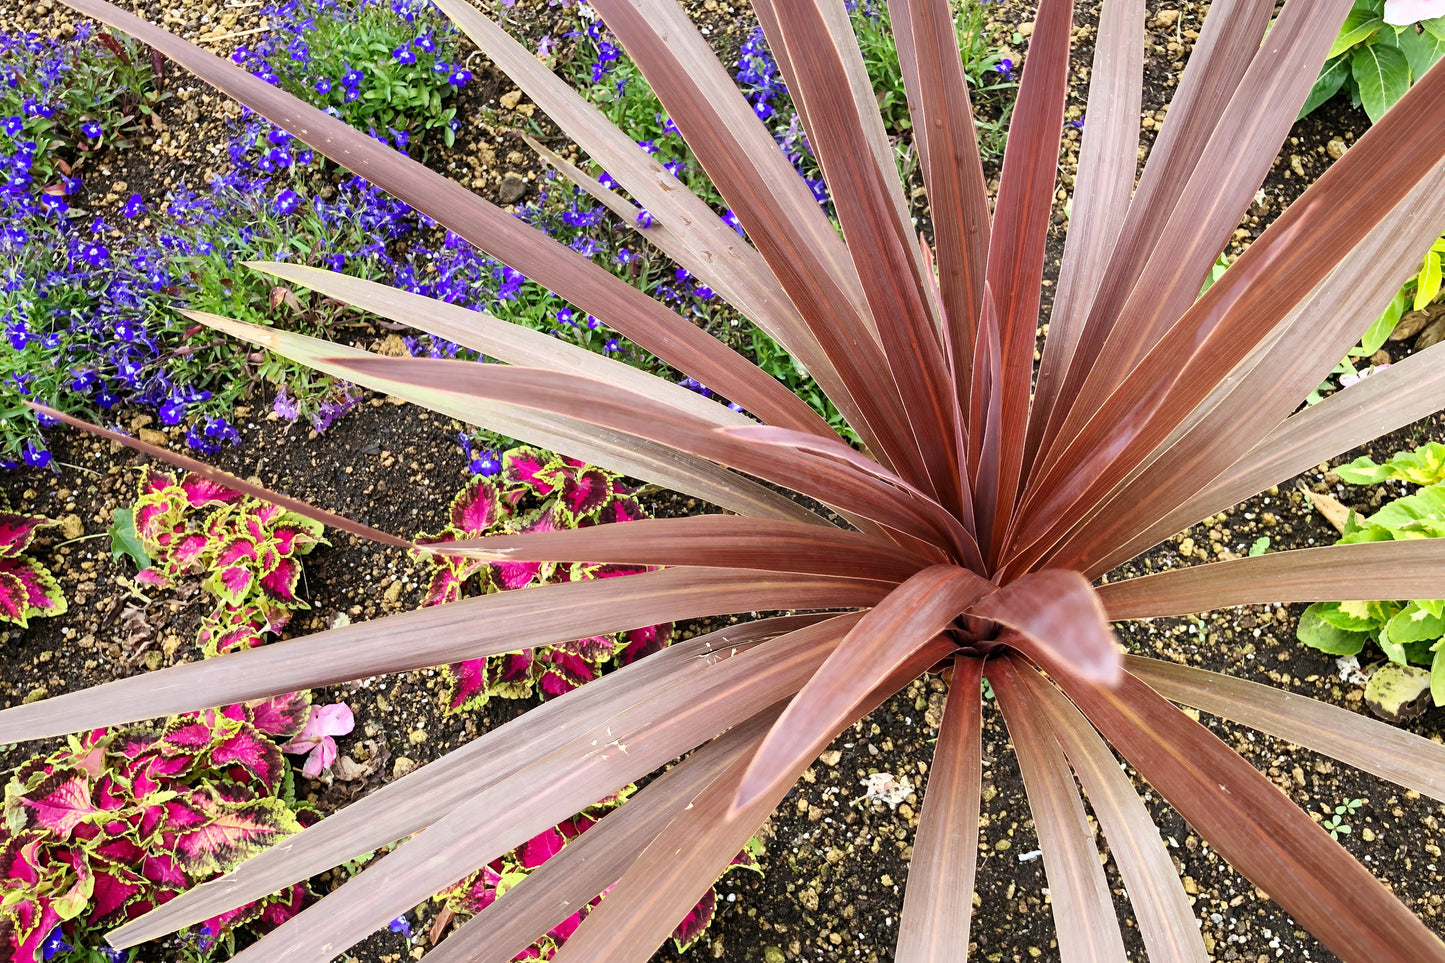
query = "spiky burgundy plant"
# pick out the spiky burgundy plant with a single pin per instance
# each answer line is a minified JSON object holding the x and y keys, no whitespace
{"x":973,"y":523}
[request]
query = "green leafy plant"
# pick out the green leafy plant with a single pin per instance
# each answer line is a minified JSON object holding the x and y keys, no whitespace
{"x":385,"y":67}
{"x":1407,"y":632}
{"x":122,"y":820}
{"x":62,"y":101}
{"x":535,"y":491}
{"x":27,"y":588}
{"x":250,"y":552}
{"x":1334,"y":821}
{"x":967,"y":533}
{"x":1379,"y":53}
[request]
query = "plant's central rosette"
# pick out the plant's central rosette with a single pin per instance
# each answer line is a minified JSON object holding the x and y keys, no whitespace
{"x":976,"y":636}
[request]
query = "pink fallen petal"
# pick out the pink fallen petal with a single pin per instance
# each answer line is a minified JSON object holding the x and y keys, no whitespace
{"x":1400,"y":12}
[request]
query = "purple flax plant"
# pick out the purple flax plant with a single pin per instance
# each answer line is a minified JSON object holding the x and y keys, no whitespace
{"x":970,"y":528}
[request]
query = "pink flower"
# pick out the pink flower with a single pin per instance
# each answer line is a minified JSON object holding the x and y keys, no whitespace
{"x":1400,"y":12}
{"x":316,"y":739}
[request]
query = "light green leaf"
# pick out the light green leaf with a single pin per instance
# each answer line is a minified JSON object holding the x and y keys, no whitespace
{"x":1414,"y":624}
{"x":1260,"y":546}
{"x":1427,"y":284}
{"x":1421,"y":50}
{"x":1364,"y":471}
{"x":1435,"y":27}
{"x":1383,"y":74}
{"x":1437,"y":677}
{"x":1329,"y":82}
{"x":1379,"y":332}
{"x":1319,"y":634}
{"x":125,"y":541}
{"x":1359,"y":26}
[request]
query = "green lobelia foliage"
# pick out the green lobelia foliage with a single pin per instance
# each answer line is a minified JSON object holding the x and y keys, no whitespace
{"x":27,"y":588}
{"x":535,"y":491}
{"x":966,"y":532}
{"x":122,"y":820}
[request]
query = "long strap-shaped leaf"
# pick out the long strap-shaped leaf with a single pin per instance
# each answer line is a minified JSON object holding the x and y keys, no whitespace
{"x":1226,"y":46}
{"x":845,"y":135}
{"x":1156,"y":895}
{"x":594,"y":444}
{"x":595,"y":860}
{"x":774,"y":206}
{"x":1389,"y":399}
{"x":1102,"y":187}
{"x":692,"y":852}
{"x":1376,"y":747}
{"x":885,"y":638}
{"x":489,"y":228}
{"x":425,"y":795}
{"x":1262,"y":391}
{"x":1240,"y":153}
{"x":234,"y":482}
{"x":1016,"y":249}
{"x":638,"y":740}
{"x":493,"y":337}
{"x":956,"y":532}
{"x":662,"y":237}
{"x":1059,"y":611}
{"x":1249,"y":822}
{"x":938,"y":903}
{"x":1367,"y":570}
{"x":634,"y":416}
{"x":1088,"y":927}
{"x":1239,"y":311}
{"x":694,"y":236}
{"x":470,"y":629}
{"x":947,"y":144}
{"x":716,"y":541}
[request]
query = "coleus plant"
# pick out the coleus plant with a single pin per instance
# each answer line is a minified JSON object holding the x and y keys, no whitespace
{"x":1410,"y":631}
{"x":969,"y":532}
{"x":536,"y":491}
{"x":526,"y":867}
{"x":27,"y":588}
{"x":121,"y":820}
{"x":250,"y":549}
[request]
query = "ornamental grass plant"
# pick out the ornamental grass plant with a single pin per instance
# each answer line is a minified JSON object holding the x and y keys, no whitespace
{"x":969,"y":531}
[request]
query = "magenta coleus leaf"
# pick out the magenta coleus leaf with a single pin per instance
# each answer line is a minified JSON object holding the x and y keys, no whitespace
{"x":115,"y":889}
{"x":24,"y":926}
{"x":476,"y":508}
{"x":280,"y":583}
{"x":690,"y":930}
{"x":235,"y":834}
{"x":60,"y":802}
{"x":621,"y":510}
{"x":586,"y":493}
{"x":203,"y":493}
{"x":282,"y":716}
{"x":540,"y":848}
{"x":14,"y":600}
{"x":18,"y":531}
{"x":465,"y":685}
{"x":249,"y":748}
{"x":232,"y":583}
{"x":531,"y":468}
